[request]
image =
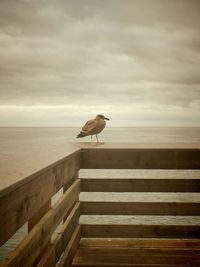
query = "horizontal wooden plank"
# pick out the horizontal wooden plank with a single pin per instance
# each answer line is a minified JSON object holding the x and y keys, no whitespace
{"x":20,"y":205}
{"x":28,"y":250}
{"x":140,"y":220}
{"x":100,"y":264}
{"x":134,"y":197}
{"x":69,"y":252}
{"x":141,"y":251}
{"x":101,"y":258}
{"x":54,"y":251}
{"x":140,"y":243}
{"x":38,"y":215}
{"x":139,"y":208}
{"x":140,"y":185}
{"x":137,"y":252}
{"x":140,"y":158}
{"x":96,"y":264}
{"x":139,"y":231}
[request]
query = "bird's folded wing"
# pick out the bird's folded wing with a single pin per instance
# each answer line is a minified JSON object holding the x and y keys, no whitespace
{"x":90,"y":125}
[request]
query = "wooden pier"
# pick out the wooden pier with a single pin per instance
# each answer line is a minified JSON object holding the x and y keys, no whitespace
{"x":156,"y":223}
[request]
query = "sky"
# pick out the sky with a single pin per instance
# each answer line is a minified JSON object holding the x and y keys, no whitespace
{"x":65,"y":61}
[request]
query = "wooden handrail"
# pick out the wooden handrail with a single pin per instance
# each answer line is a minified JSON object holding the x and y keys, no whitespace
{"x":23,"y":202}
{"x":30,"y":202}
{"x":140,"y":158}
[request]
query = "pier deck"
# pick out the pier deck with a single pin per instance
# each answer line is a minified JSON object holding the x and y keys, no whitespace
{"x":149,"y":219}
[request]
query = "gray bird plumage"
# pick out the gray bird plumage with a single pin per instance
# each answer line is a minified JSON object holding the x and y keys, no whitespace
{"x":93,"y":127}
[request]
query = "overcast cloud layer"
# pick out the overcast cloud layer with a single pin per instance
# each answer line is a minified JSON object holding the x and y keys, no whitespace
{"x":136,"y":61}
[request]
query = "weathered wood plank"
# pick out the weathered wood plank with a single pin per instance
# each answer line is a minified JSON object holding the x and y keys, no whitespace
{"x":139,"y":208}
{"x":22,"y":204}
{"x":139,"y":231}
{"x":137,"y":252}
{"x":67,"y":185}
{"x":28,"y":250}
{"x":54,"y":251}
{"x":141,"y":251}
{"x":140,"y":185}
{"x":140,"y":243}
{"x":71,"y":248}
{"x":96,"y":264}
{"x":140,"y":158}
{"x":41,"y":212}
{"x":137,"y":259}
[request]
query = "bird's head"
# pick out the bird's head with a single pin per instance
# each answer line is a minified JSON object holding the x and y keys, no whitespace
{"x":102,"y":117}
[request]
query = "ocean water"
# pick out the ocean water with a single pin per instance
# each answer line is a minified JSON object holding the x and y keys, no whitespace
{"x":23,"y":146}
{"x":10,"y":137}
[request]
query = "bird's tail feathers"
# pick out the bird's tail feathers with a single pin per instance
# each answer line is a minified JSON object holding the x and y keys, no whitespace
{"x":81,"y":134}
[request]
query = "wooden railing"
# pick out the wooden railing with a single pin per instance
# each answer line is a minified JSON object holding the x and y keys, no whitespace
{"x":30,"y":202}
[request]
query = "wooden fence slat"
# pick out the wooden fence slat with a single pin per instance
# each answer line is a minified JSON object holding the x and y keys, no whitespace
{"x":140,"y":185}
{"x":54,"y":251}
{"x":140,"y":158}
{"x":139,"y":231}
{"x":140,"y":243}
{"x":41,"y":212}
{"x":27,"y":251}
{"x":139,"y":208}
{"x":127,"y":259}
{"x":67,"y":185}
{"x":137,"y":252}
{"x":20,"y":205}
{"x":96,"y":264}
{"x":71,"y":248}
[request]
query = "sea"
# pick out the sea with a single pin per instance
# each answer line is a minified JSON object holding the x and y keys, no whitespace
{"x":21,"y":146}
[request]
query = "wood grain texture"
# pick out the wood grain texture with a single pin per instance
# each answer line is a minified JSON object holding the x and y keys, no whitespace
{"x":38,"y":215}
{"x":140,"y":158}
{"x":28,"y":250}
{"x":137,"y":252}
{"x":139,"y":208}
{"x":140,"y":185}
{"x":54,"y":251}
{"x":71,"y":248}
{"x":20,"y":205}
{"x":139,"y":231}
{"x":140,"y":243}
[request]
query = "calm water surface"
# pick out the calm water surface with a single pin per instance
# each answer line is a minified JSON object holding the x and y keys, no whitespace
{"x":28,"y":136}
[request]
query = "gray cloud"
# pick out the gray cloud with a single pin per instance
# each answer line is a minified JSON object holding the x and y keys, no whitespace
{"x":134,"y":58}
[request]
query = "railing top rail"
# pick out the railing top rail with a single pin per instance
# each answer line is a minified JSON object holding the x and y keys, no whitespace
{"x":140,"y":156}
{"x":14,"y":173}
{"x":24,"y":172}
{"x":112,"y":145}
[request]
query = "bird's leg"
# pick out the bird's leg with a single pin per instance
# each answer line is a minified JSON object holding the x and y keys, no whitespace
{"x":98,"y":143}
{"x":91,"y":139}
{"x":97,"y":139}
{"x":92,"y":144}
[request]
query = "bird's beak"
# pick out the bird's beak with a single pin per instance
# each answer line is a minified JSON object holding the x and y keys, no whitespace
{"x":106,"y":118}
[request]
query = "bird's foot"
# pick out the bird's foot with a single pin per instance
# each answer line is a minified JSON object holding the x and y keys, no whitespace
{"x":100,"y":143}
{"x":93,"y":144}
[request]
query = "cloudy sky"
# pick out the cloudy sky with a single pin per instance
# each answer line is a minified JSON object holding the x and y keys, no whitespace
{"x":135,"y":61}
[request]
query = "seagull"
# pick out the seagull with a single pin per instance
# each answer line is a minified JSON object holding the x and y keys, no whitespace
{"x":93,"y":127}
